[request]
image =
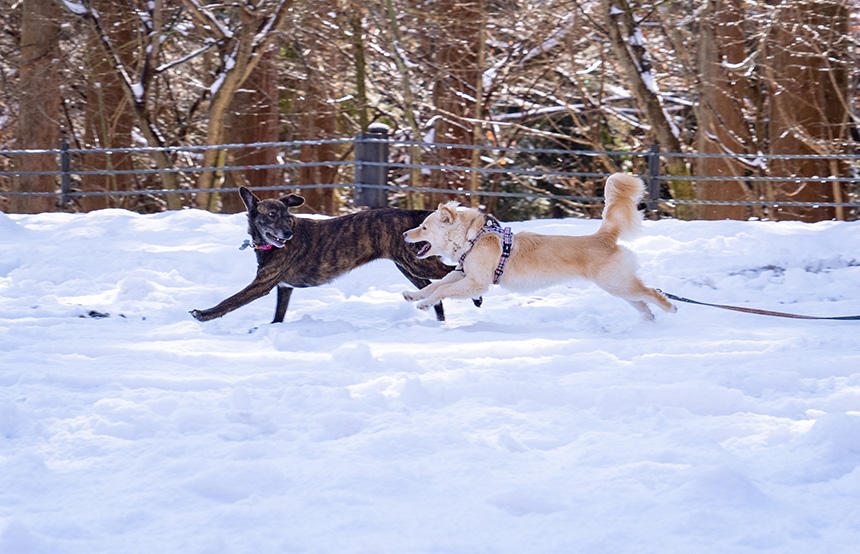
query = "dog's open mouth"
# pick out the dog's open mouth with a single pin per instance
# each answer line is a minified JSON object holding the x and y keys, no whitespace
{"x":422,"y":251}
{"x":273,"y":240}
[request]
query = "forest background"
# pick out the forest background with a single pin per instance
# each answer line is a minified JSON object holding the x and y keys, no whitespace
{"x":692,"y":76}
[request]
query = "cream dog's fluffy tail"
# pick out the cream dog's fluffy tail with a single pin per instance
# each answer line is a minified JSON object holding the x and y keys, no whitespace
{"x":621,"y":219}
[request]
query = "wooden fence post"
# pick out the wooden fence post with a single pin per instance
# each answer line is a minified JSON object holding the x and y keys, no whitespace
{"x":65,"y":176}
{"x":376,"y":175}
{"x":653,"y":183}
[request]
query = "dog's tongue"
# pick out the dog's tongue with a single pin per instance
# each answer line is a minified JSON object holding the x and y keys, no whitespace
{"x":424,"y":249}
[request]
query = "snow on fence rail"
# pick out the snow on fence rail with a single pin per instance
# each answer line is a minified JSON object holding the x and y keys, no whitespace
{"x":371,"y":164}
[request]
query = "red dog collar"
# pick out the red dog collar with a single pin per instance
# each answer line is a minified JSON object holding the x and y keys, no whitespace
{"x":247,"y":243}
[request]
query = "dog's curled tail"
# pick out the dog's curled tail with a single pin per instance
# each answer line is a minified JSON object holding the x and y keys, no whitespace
{"x":620,"y":217}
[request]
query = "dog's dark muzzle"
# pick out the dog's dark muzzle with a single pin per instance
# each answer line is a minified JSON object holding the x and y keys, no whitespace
{"x":280,"y":239}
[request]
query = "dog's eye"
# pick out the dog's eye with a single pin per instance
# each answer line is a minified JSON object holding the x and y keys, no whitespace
{"x":271,"y":215}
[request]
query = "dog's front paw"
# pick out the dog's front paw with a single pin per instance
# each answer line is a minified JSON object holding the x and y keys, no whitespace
{"x":200,"y":315}
{"x":425,"y":305}
{"x":412,"y":295}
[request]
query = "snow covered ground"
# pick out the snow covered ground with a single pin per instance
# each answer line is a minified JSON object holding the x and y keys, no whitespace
{"x":555,"y":422}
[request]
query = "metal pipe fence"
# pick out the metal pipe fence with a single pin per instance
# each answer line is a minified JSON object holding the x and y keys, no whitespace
{"x":371,"y":166}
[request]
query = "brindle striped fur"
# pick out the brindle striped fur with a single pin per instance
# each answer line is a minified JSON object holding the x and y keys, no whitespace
{"x":312,"y":252}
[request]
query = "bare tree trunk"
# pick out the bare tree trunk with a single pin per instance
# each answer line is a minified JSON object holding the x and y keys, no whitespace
{"x":360,"y":63}
{"x":626,"y":41}
{"x":319,"y":114}
{"x":253,"y":117}
{"x":806,"y":68}
{"x":478,"y":114}
{"x":136,"y":95}
{"x":38,"y":119}
{"x":720,"y":111}
{"x":109,"y":120}
{"x":416,"y":201}
{"x":454,"y":92}
{"x":230,"y":80}
{"x":242,"y":50}
{"x":319,"y":121}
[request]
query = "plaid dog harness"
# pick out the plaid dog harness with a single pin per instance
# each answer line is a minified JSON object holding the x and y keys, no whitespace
{"x":492,"y":226}
{"x":507,"y":238}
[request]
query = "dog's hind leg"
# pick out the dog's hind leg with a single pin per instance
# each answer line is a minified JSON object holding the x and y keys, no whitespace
{"x":658,"y":298}
{"x":637,"y":294}
{"x":420,"y":283}
{"x":284,"y":293}
{"x":643,"y":309}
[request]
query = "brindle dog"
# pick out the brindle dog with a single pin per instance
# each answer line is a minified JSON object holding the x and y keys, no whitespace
{"x":302,"y":252}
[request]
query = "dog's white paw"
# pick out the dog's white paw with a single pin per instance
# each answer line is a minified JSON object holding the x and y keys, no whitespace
{"x":411,"y":295}
{"x":423,"y":305}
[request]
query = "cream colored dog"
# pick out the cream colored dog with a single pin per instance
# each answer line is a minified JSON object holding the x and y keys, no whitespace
{"x":536,"y":260}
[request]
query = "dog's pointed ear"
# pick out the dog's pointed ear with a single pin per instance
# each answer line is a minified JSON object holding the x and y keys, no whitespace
{"x":292,"y":200}
{"x":249,"y":198}
{"x":448,"y":212}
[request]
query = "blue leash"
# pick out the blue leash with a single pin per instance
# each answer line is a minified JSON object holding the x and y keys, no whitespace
{"x":755,"y":310}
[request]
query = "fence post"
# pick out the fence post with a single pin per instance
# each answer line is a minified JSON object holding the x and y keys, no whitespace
{"x":65,"y":176}
{"x":653,"y":181}
{"x":376,"y":175}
